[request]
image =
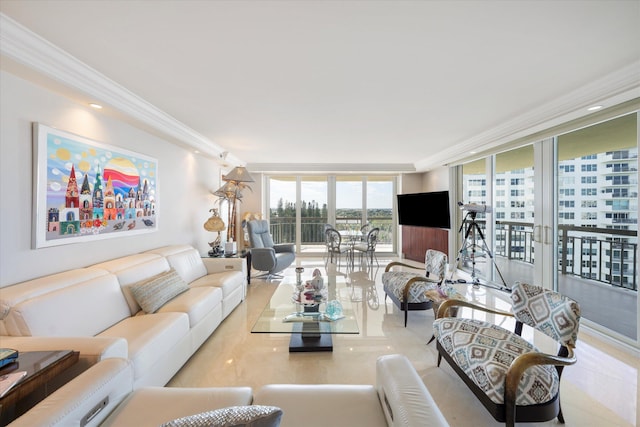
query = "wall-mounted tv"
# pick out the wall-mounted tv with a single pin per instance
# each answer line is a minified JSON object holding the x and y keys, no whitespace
{"x":424,"y":209}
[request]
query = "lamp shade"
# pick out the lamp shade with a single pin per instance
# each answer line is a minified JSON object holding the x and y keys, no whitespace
{"x":239,"y":174}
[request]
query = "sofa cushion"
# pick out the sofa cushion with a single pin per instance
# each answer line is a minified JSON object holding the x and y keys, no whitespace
{"x":83,"y":310}
{"x":15,"y":294}
{"x":234,"y":416}
{"x":132,"y":269}
{"x":228,"y":281}
{"x":156,"y":291}
{"x":357,"y":405}
{"x":150,"y":337}
{"x":197,"y":303}
{"x":185,"y":259}
{"x":152,"y":406}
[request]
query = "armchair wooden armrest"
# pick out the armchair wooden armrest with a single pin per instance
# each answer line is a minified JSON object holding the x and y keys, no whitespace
{"x":400,"y":264}
{"x":444,"y":308}
{"x":524,"y":362}
{"x":410,"y":282}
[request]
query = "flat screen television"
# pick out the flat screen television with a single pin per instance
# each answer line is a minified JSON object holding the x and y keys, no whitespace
{"x":424,"y":209}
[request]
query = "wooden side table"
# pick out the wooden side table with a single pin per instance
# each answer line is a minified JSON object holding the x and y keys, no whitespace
{"x":42,"y":367}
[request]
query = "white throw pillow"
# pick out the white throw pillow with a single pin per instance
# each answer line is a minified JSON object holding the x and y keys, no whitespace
{"x":153,"y":293}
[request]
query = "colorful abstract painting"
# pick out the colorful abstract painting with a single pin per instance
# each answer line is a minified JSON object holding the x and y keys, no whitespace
{"x":86,"y":190}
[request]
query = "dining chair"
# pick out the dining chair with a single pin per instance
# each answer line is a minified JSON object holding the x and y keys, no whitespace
{"x":368,"y":247}
{"x":335,"y":247}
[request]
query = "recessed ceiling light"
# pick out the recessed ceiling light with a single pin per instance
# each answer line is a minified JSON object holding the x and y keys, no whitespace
{"x":594,"y":108}
{"x":96,"y":106}
{"x":472,"y":152}
{"x":196,"y":151}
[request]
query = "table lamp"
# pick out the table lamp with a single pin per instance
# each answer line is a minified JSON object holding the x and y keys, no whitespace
{"x":214,"y":223}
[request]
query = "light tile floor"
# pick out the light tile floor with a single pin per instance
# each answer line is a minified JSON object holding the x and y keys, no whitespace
{"x":600,"y":390}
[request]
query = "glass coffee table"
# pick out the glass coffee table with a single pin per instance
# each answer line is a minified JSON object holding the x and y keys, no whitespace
{"x":310,"y":327}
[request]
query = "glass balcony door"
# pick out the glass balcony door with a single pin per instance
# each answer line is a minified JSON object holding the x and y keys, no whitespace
{"x":314,"y":212}
{"x":565,"y":216}
{"x":597,"y":223}
{"x":300,"y":206}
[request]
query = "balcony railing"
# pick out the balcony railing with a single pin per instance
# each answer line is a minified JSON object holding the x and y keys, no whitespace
{"x":283,"y":229}
{"x":601,"y":254}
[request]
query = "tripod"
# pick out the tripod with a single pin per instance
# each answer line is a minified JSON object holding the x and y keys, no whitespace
{"x":469,"y":242}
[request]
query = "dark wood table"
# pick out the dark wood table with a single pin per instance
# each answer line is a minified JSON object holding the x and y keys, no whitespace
{"x":42,"y":367}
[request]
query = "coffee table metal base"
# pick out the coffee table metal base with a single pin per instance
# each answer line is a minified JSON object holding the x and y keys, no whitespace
{"x":306,"y":337}
{"x":301,"y":342}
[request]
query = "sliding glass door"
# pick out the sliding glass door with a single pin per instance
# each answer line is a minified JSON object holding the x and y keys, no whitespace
{"x":565,"y":216}
{"x":597,"y":213}
{"x":300,"y":206}
{"x":314,"y":212}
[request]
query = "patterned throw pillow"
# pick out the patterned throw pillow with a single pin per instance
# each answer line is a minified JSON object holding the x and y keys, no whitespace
{"x":153,"y":293}
{"x":233,"y":416}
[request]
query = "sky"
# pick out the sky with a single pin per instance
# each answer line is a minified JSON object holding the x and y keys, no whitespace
{"x":348,"y":193}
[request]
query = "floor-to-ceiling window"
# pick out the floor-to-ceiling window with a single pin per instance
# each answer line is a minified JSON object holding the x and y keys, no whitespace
{"x":380,"y":193}
{"x":472,"y":230}
{"x":514,"y":214}
{"x":565,"y":213}
{"x":597,"y":211}
{"x":349,"y":212}
{"x":282,"y":208}
{"x":299,"y":206}
{"x":314,"y":212}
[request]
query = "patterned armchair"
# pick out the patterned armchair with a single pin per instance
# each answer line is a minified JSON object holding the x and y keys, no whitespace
{"x":514,"y":380}
{"x":411,"y":291}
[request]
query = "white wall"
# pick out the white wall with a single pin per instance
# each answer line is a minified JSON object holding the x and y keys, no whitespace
{"x":411,"y":183}
{"x":436,"y":180}
{"x":185,"y":181}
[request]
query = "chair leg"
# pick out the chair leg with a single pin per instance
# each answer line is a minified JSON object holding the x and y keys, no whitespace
{"x":406,"y":314}
{"x":560,"y":416}
{"x":439,"y":359}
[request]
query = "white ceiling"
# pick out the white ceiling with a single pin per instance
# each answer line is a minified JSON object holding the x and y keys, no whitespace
{"x":349,"y":82}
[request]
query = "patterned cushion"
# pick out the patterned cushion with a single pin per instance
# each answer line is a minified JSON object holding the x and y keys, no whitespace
{"x":153,"y":293}
{"x":248,"y":416}
{"x":484,"y":351}
{"x":395,"y":281}
{"x":435,"y":264}
{"x":550,"y":312}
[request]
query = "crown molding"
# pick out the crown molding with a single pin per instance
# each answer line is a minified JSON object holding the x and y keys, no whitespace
{"x":29,"y":49}
{"x":347,"y":168}
{"x":618,"y":87}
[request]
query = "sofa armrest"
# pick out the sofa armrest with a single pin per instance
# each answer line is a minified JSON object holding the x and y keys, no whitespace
{"x":404,"y":398}
{"x":88,"y":398}
{"x":223,"y":264}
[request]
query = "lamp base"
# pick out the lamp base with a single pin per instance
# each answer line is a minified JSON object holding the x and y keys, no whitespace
{"x":216,"y":251}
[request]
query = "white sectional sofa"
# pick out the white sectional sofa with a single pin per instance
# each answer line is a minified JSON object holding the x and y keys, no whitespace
{"x":92,"y":310}
{"x":104,"y":394}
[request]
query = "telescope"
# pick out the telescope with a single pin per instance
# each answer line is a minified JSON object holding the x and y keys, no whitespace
{"x":474,"y":207}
